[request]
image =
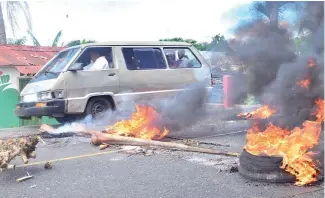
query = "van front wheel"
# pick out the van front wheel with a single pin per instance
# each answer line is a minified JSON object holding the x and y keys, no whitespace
{"x":97,"y":106}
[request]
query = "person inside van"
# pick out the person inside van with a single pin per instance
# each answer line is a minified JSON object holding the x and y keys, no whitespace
{"x":98,"y":61}
{"x":181,"y":60}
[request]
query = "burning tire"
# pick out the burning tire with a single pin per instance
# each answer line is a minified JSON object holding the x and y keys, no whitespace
{"x":263,"y":168}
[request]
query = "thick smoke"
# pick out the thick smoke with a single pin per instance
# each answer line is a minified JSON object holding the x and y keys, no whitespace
{"x":185,"y":109}
{"x":274,"y":68}
{"x":174,"y":113}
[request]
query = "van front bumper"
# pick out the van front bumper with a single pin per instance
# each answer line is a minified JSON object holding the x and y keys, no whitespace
{"x":52,"y":108}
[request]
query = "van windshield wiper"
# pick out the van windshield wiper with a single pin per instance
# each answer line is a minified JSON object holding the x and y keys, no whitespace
{"x":49,"y":72}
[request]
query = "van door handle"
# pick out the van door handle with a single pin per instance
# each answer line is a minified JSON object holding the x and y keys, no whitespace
{"x":111,"y":74}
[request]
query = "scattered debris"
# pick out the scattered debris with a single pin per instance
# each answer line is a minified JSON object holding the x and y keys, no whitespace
{"x":103,"y":146}
{"x":149,"y":152}
{"x":48,"y":165}
{"x":25,"y":178}
{"x":233,"y":169}
{"x":98,"y":138}
{"x":11,"y":148}
{"x":42,"y":141}
{"x":190,"y":142}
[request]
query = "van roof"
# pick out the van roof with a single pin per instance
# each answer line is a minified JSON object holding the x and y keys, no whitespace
{"x":139,"y":43}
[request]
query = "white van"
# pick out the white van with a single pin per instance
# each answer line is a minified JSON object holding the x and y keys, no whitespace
{"x":91,"y":78}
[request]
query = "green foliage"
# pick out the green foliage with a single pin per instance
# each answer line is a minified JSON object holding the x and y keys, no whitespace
{"x":20,"y":41}
{"x":250,"y":100}
{"x":12,"y":10}
{"x":37,"y":43}
{"x":199,"y":46}
{"x":34,"y":39}
{"x":301,"y":43}
{"x":57,"y":38}
{"x":218,"y":43}
{"x":79,"y":42}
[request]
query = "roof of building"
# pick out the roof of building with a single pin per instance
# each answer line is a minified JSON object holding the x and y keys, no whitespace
{"x":27,"y":59}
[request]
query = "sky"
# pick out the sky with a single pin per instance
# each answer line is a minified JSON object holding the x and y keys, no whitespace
{"x":130,"y":20}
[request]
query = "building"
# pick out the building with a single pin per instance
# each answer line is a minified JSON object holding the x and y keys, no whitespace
{"x":17,"y":65}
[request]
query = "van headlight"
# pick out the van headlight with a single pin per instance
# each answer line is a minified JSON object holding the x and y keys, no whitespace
{"x":58,"y":93}
{"x":29,"y":98}
{"x":44,"y":96}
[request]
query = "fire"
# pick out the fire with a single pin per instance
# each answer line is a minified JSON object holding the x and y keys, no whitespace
{"x":320,"y":110}
{"x":262,"y":113}
{"x":304,"y":83}
{"x":292,"y":145}
{"x":140,"y":125}
{"x":311,"y":63}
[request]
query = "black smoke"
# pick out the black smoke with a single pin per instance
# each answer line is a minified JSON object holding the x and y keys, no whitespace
{"x":185,"y":109}
{"x":274,"y":67}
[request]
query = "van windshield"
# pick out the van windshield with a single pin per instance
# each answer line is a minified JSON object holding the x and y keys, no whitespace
{"x":53,"y":68}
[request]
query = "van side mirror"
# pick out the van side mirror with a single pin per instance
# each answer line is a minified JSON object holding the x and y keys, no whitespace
{"x":75,"y":67}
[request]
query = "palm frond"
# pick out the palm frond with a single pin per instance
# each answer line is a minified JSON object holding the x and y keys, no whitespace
{"x":261,"y":8}
{"x":57,"y":38}
{"x":84,"y":41}
{"x":10,"y":41}
{"x":34,"y":39}
{"x":28,"y":16}
{"x":20,"y":41}
{"x":73,"y":43}
{"x":13,"y":7}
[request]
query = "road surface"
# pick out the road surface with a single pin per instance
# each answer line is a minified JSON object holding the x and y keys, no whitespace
{"x":85,"y":171}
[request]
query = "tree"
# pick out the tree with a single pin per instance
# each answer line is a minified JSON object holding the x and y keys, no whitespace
{"x":37,"y":43}
{"x":219,"y":44}
{"x":12,"y":9}
{"x":78,"y":42}
{"x":197,"y":45}
{"x":272,"y":10}
{"x":301,"y":43}
{"x":21,"y":41}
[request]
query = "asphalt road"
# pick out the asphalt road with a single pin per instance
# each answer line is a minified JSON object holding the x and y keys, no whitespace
{"x":162,"y":174}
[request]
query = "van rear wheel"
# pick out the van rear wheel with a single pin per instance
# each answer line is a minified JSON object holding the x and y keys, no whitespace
{"x":97,"y":106}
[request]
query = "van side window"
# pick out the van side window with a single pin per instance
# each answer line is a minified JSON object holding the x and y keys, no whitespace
{"x":96,"y":58}
{"x":144,"y":58}
{"x":181,"y":57}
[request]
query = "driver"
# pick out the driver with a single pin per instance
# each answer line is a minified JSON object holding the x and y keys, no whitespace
{"x":98,"y":62}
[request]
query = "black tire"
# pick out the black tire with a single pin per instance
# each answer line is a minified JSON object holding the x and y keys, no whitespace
{"x":259,"y":163}
{"x":263,"y":168}
{"x":97,"y":105}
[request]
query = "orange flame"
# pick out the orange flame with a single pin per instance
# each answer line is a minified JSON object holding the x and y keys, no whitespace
{"x":140,"y":125}
{"x":304,"y":83}
{"x":311,"y":63}
{"x":319,"y":111}
{"x":262,"y":113}
{"x":292,"y":145}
